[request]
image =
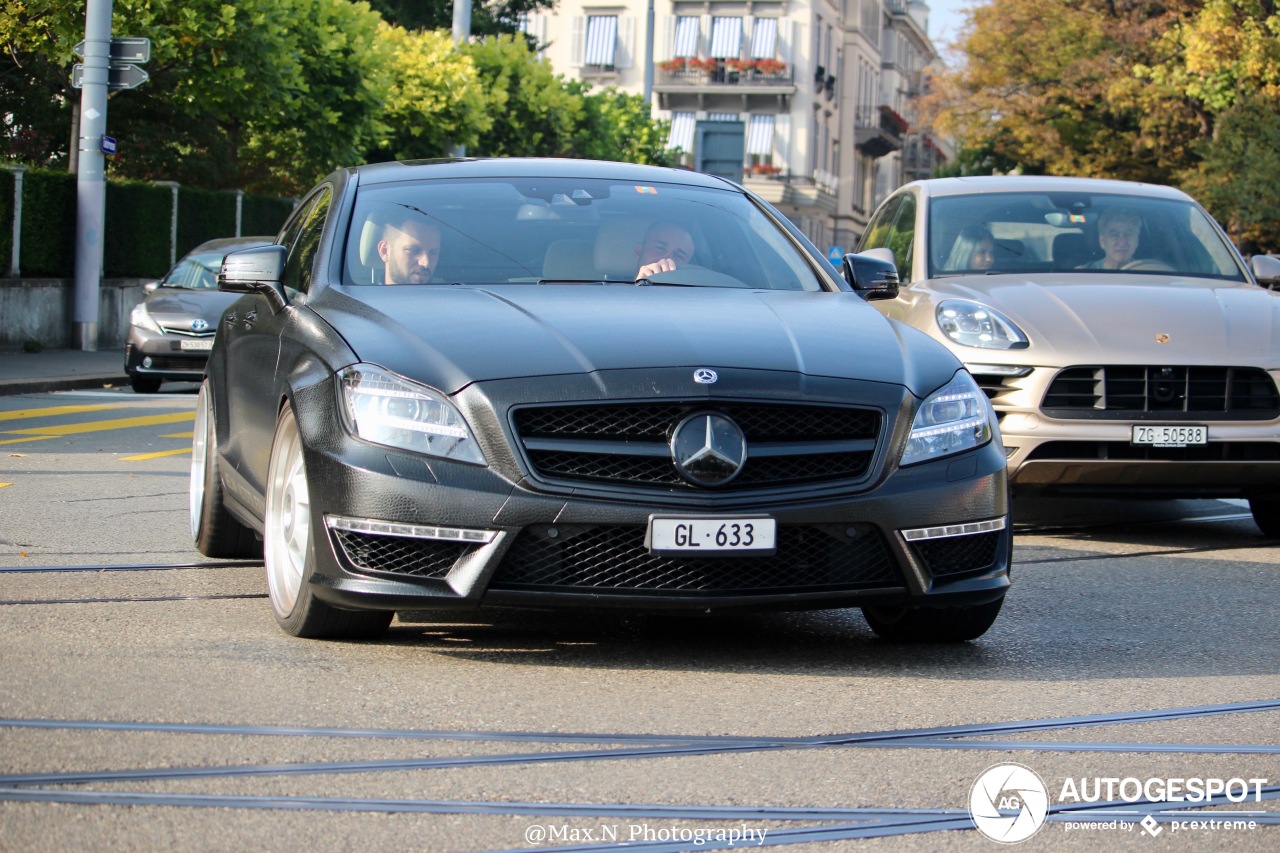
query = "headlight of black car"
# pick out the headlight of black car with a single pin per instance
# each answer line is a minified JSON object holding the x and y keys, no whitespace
{"x":953,"y":419}
{"x":384,"y":408}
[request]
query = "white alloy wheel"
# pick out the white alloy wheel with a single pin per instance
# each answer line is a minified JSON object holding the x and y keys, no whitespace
{"x":287,"y":531}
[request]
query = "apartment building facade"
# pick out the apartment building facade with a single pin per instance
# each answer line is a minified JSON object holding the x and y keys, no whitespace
{"x":807,"y":102}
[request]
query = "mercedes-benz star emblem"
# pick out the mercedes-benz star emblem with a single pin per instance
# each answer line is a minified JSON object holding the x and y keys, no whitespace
{"x":199,"y":325}
{"x":708,"y":448}
{"x":705,"y":376}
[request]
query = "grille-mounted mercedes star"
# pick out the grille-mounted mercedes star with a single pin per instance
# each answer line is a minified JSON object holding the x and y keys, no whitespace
{"x":565,"y":384}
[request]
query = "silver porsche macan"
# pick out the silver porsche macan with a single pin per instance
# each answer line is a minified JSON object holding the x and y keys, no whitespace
{"x":1128,"y":348}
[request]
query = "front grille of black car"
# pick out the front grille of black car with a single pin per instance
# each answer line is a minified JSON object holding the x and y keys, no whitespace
{"x":626,"y":444}
{"x":1179,"y":393}
{"x":957,"y":555}
{"x":614,"y":559}
{"x":399,"y":555}
{"x":1217,"y":451}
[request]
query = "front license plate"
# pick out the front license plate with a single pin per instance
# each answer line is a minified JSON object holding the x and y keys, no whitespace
{"x":707,"y":537}
{"x":1168,"y":435}
{"x":205,"y":344}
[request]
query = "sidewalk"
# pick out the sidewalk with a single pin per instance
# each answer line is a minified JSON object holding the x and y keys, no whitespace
{"x":60,"y":370}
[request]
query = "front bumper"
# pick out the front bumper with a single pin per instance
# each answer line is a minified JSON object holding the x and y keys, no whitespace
{"x":166,"y":356}
{"x":403,"y":532}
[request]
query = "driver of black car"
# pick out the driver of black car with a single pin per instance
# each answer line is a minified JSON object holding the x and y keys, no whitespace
{"x":664,"y":248}
{"x":410,"y":251}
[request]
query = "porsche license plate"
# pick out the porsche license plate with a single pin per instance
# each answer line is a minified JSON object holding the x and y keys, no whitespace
{"x":201,"y":344}
{"x":1169,"y":435}
{"x":707,"y":537}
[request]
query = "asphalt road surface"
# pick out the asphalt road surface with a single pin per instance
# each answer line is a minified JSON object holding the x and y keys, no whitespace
{"x":148,"y":700}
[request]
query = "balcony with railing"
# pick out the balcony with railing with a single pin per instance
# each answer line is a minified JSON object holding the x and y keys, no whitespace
{"x":814,"y":194}
{"x":877,"y":131}
{"x":697,"y":72}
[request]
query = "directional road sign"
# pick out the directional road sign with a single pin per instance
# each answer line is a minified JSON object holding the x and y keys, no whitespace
{"x":135,"y":50}
{"x":121,"y":75}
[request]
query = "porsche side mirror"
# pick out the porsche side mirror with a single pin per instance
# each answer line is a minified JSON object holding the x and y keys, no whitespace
{"x":872,"y":276}
{"x":150,"y":287}
{"x":1266,"y":269}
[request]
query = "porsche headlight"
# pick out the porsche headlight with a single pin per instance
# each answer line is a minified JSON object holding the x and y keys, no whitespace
{"x":975,"y":325}
{"x":384,"y":408}
{"x":953,"y":419}
{"x":141,"y":318}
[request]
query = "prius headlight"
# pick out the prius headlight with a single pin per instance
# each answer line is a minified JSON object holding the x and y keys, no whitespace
{"x":142,"y":318}
{"x":955,"y":418}
{"x":384,"y":408}
{"x":975,"y":325}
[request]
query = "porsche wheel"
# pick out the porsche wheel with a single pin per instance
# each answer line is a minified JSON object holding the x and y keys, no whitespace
{"x":1266,"y":513}
{"x":289,"y":549}
{"x":932,"y":624}
{"x":215,"y":532}
{"x":144,"y":384}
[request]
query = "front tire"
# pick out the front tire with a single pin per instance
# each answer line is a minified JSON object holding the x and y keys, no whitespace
{"x":215,"y":532}
{"x":144,"y":384}
{"x":933,"y":624}
{"x":289,"y":549}
{"x":1266,"y":512}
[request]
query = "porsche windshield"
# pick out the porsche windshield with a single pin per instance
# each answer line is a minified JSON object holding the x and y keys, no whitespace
{"x":1035,"y":232}
{"x":562,"y":231}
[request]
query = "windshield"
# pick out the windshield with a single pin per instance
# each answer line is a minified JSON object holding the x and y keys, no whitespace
{"x":199,"y":272}
{"x":568,"y":231}
{"x":1033,"y":232}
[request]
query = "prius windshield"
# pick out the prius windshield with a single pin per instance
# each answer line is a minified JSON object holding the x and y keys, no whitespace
{"x":569,"y":231}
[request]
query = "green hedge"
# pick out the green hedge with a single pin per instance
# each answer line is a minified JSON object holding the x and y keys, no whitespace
{"x":204,"y":215}
{"x":138,"y":223}
{"x":263,"y":215}
{"x":48,"y":223}
{"x":138,"y":227}
{"x":7,"y":179}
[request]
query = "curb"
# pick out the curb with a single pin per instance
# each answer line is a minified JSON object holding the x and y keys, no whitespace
{"x":10,"y":387}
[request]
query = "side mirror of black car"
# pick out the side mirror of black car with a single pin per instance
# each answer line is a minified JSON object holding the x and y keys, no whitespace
{"x":256,"y":270}
{"x":1266,"y":269}
{"x":871,"y":277}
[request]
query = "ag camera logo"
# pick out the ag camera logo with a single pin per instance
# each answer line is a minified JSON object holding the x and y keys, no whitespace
{"x":1008,"y":803}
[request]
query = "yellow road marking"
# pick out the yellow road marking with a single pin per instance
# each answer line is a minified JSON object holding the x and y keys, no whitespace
{"x":100,"y":426}
{"x":2,"y":485}
{"x":56,"y":410}
{"x":20,"y":440}
{"x":178,"y":435}
{"x":155,"y":455}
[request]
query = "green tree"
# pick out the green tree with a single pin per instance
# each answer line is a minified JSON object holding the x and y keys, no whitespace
{"x":262,"y":94}
{"x":493,"y":18}
{"x":1238,"y":176}
{"x":618,"y":126}
{"x":535,"y":111}
{"x":434,"y":98}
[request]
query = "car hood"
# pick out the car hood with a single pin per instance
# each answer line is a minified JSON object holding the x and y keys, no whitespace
{"x":177,"y":307}
{"x":450,"y":336}
{"x":1072,"y":317}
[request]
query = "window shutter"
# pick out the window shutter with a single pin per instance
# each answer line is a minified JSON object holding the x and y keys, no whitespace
{"x":577,"y":40}
{"x":624,"y":53}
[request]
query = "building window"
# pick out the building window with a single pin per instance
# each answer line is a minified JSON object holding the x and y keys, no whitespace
{"x":726,"y":38}
{"x":602,"y":40}
{"x":686,"y":36}
{"x":764,"y":38}
{"x":682,"y":124}
{"x":760,"y":137}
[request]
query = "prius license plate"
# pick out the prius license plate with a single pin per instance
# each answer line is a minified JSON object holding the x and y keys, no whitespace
{"x":204,"y":344}
{"x":1169,"y":435}
{"x":710,"y":537}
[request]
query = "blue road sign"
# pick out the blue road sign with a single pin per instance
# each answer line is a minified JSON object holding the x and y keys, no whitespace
{"x":108,"y":145}
{"x":836,"y":255}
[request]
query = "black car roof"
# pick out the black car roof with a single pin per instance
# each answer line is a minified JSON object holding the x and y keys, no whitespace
{"x":537,"y":167}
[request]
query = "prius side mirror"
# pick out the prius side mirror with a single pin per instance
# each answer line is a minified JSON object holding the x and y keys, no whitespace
{"x":1266,"y":269}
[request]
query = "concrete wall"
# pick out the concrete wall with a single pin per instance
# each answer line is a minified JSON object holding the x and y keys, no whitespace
{"x":40,"y":309}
